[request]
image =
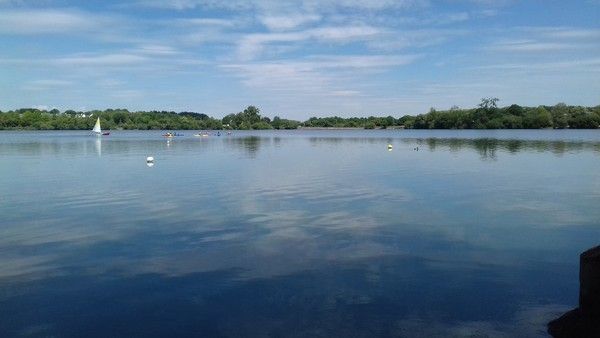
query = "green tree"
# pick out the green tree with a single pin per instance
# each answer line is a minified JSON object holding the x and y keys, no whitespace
{"x":586,"y":121}
{"x":515,"y":109}
{"x":251,"y":115}
{"x":537,"y":118}
{"x":560,"y":116}
{"x":276,"y":123}
{"x":489,"y":103}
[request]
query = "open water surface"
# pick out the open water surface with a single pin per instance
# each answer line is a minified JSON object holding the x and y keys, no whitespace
{"x":294,"y":233}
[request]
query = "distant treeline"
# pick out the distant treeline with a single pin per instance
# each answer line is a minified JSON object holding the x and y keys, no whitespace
{"x":38,"y":119}
{"x":486,"y":116}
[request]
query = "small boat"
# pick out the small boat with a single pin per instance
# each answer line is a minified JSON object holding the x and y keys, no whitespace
{"x":172,"y":135}
{"x":98,"y":130}
{"x":203,"y":134}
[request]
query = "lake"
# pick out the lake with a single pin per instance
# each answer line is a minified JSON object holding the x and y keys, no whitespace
{"x":308,"y":233}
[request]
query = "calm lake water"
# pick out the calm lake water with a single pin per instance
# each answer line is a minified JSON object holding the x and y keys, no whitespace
{"x":294,"y":234}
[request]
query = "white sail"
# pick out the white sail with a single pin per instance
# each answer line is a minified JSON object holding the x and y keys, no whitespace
{"x":97,"y":128}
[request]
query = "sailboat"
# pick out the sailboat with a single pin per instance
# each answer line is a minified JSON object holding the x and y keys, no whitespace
{"x":97,"y":130}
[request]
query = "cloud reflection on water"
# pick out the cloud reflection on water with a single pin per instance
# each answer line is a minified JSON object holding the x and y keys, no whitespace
{"x":329,"y":228}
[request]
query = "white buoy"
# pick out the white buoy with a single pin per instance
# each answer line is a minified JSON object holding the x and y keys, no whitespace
{"x":149,"y":159}
{"x":389,"y":147}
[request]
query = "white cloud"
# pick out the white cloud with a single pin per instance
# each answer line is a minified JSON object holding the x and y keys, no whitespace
{"x":586,"y":65}
{"x":394,"y":40}
{"x":270,"y":4}
{"x":568,"y":33}
{"x":158,"y":50}
{"x":322,"y":63}
{"x":143,"y":60}
{"x":317,"y":76}
{"x":345,"y":93}
{"x":46,"y":84}
{"x":252,"y":45}
{"x":369,"y":5}
{"x":203,"y":22}
{"x":280,"y":76}
{"x":51,"y":82}
{"x":18,"y":2}
{"x":493,"y":3}
{"x":486,"y":13}
{"x":547,"y":39}
{"x":102,"y":60}
{"x":455,"y":17}
{"x":344,"y":33}
{"x":286,"y":22}
{"x":362,"y":61}
{"x":531,"y":46}
{"x":127,"y":94}
{"x":48,"y":21}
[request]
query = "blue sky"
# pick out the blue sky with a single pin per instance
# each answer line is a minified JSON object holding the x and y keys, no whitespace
{"x":297,"y":58}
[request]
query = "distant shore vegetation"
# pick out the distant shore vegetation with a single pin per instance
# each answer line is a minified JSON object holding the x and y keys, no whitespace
{"x":487,"y":115}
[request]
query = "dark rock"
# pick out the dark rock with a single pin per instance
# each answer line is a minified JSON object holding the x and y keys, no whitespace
{"x":585,"y":320}
{"x":575,"y":324}
{"x":589,"y":281}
